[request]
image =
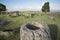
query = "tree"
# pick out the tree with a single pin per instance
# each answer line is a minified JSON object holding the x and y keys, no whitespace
{"x":45,"y":7}
{"x":2,"y":7}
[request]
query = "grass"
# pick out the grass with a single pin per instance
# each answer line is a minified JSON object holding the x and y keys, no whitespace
{"x":16,"y":22}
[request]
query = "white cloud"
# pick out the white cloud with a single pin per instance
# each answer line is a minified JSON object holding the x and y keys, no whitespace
{"x":53,"y":6}
{"x":22,"y":8}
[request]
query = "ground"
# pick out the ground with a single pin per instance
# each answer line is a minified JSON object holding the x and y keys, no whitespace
{"x":15,"y":22}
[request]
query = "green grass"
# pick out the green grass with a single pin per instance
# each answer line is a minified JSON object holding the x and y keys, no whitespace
{"x":18,"y":21}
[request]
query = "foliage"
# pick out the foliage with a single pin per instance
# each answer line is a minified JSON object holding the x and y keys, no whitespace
{"x":45,"y":7}
{"x":2,"y":7}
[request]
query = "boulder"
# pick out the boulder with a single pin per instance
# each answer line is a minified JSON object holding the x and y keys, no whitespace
{"x":6,"y":33}
{"x":32,"y":15}
{"x":51,"y":17}
{"x":13,"y":14}
{"x":3,"y":22}
{"x":35,"y":31}
{"x":24,"y":16}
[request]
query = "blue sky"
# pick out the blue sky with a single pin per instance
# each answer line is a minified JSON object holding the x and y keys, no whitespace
{"x":34,"y":5}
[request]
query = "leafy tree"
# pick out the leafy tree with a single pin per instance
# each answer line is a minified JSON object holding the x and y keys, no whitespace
{"x":45,"y":7}
{"x":2,"y":7}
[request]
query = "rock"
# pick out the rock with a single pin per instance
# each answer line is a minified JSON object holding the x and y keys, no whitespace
{"x":34,"y":31}
{"x":3,"y":22}
{"x":13,"y":15}
{"x":32,"y":15}
{"x":51,"y":17}
{"x":25,"y":17}
{"x":6,"y":33}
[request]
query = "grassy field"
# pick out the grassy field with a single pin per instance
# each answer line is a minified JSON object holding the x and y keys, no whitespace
{"x":15,"y":22}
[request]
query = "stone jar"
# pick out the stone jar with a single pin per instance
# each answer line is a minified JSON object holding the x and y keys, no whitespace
{"x":34,"y":31}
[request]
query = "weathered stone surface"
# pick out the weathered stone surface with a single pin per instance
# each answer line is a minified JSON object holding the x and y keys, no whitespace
{"x":34,"y":31}
{"x":6,"y":33}
{"x":51,"y":17}
{"x":3,"y":22}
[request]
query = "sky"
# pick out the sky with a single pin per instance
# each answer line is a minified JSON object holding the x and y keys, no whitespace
{"x":30,"y":5}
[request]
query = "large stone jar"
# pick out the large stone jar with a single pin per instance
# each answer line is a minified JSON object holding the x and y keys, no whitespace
{"x":35,"y":31}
